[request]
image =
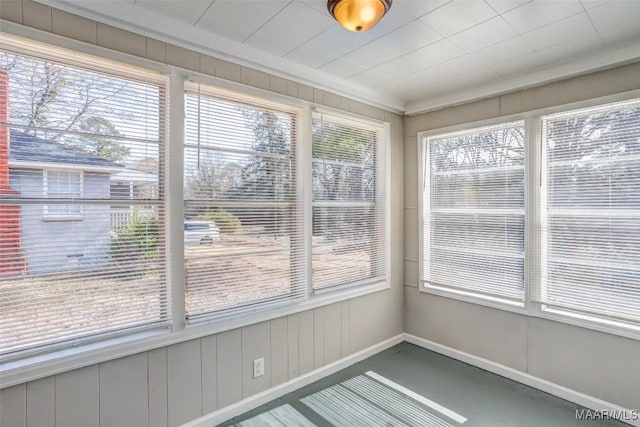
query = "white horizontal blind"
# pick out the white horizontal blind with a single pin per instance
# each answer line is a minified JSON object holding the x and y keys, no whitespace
{"x":591,"y":211}
{"x":473,"y":212}
{"x":243,"y":222}
{"x":82,"y":248}
{"x":348,"y":201}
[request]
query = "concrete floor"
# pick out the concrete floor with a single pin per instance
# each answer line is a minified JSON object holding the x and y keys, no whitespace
{"x":377,"y":392}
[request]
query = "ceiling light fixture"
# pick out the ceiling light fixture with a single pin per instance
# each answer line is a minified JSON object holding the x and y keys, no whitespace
{"x":358,"y":15}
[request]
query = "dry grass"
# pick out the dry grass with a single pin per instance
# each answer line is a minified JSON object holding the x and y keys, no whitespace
{"x":232,"y":272}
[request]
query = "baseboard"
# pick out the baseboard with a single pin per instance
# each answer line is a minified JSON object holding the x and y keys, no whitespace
{"x":266,"y":396}
{"x":562,"y":392}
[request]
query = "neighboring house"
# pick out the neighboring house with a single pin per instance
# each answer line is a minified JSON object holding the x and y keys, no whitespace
{"x":41,"y":169}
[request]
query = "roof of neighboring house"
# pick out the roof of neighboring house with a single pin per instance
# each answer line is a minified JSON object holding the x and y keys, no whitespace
{"x":26,"y":147}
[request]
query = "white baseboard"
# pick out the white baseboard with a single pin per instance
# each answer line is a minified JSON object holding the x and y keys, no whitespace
{"x":266,"y":396}
{"x":565,"y":393}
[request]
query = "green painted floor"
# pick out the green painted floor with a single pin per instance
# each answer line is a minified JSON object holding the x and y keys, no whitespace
{"x":410,"y":386}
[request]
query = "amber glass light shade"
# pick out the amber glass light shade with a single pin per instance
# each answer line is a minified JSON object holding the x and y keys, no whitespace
{"x":358,"y":15}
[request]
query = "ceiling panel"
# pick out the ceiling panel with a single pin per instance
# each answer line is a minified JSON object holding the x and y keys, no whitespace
{"x":186,"y":10}
{"x":560,"y":31}
{"x":396,"y":68}
{"x":435,"y":53}
{"x":589,"y":4}
{"x":502,"y":6}
{"x":614,"y":13}
{"x":418,"y":8}
{"x":485,"y":34}
{"x":539,"y":13}
{"x":407,"y":39}
{"x":229,"y":18}
{"x":620,"y":33}
{"x":517,"y":66}
{"x":279,"y":36}
{"x":566,"y":51}
{"x":512,"y":48}
{"x":325,"y":47}
{"x":343,"y":67}
{"x":458,"y":16}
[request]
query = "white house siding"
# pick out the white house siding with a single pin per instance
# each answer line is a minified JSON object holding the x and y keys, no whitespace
{"x":90,"y":244}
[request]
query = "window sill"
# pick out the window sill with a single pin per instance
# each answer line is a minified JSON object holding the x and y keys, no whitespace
{"x":35,"y":367}
{"x":595,"y":323}
{"x":62,"y":218}
{"x":540,"y":311}
{"x":487,"y":301}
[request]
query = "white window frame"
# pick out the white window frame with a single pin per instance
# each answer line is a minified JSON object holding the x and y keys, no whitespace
{"x":383,"y":181}
{"x":424,"y":185}
{"x":534,"y":164}
{"x":29,"y":367}
{"x":76,"y":197}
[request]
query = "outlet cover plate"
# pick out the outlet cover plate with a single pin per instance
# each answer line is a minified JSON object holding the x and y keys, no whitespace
{"x":258,"y":367}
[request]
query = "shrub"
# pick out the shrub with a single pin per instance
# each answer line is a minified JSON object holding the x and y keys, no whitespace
{"x":140,"y":239}
{"x":227,"y":222}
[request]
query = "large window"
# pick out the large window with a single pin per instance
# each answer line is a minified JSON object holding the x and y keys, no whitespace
{"x":241,"y":168}
{"x":473,"y":212}
{"x":582,"y":215}
{"x":77,"y":260}
{"x":277,"y":204}
{"x":348,"y":202}
{"x":591,"y":212}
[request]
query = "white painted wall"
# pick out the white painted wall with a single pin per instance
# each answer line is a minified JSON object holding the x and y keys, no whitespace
{"x":596,"y":363}
{"x":168,"y":386}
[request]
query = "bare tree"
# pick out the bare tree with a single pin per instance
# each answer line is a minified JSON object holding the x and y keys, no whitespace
{"x":65,"y":104}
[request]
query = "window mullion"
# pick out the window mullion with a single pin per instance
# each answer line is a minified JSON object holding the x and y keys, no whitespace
{"x":174,"y":179}
{"x":532,"y":209}
{"x":306,"y":174}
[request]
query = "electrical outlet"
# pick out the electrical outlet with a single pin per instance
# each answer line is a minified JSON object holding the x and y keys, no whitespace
{"x":258,"y":367}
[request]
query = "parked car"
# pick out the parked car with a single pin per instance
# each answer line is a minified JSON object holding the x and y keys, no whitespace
{"x":200,"y":233}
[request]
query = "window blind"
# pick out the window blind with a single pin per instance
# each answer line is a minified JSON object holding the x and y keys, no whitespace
{"x":242,"y":192}
{"x":591,"y":212}
{"x":473,"y":212}
{"x":349,"y":217}
{"x":82,"y":247}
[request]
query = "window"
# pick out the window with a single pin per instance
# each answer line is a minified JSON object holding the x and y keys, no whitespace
{"x":62,"y":185}
{"x":277,"y":203}
{"x":241,"y":168}
{"x":591,"y":212}
{"x":348,"y":202}
{"x":76,"y":130}
{"x":473,"y":212}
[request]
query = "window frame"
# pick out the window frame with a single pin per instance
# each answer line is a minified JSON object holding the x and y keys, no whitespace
{"x":534,"y":163}
{"x":63,"y":216}
{"x":236,"y":94}
{"x":593,"y":320}
{"x":382,"y":180}
{"x":424,"y":185}
{"x":25,"y":367}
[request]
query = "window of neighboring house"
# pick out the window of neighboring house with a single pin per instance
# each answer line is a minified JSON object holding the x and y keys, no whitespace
{"x":243,"y":218}
{"x":63,"y":185}
{"x":77,"y":125}
{"x":591,"y":213}
{"x":349,"y":210}
{"x":473,"y":212}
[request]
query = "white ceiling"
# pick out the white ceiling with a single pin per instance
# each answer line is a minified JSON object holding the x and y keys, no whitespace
{"x":424,"y":54}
